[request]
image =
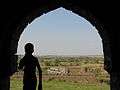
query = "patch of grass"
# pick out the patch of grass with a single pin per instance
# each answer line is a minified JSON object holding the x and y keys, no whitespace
{"x":60,"y":85}
{"x":16,"y":84}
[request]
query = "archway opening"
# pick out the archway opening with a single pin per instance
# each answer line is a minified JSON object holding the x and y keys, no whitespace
{"x":70,"y":55}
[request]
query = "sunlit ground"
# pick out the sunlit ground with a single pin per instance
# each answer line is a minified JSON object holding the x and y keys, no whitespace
{"x":16,"y":84}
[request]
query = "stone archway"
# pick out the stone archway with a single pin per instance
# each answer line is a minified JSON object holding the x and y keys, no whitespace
{"x":24,"y":13}
{"x":86,"y":15}
{"x":37,"y":12}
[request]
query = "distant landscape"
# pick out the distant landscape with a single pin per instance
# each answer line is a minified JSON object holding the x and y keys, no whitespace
{"x":69,"y":73}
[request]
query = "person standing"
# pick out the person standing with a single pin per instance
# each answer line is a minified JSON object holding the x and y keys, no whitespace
{"x":28,"y":64}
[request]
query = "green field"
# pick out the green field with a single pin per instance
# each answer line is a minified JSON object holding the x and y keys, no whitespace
{"x":60,"y":85}
{"x":69,"y":73}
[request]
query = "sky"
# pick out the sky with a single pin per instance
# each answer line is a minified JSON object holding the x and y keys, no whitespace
{"x":61,"y":32}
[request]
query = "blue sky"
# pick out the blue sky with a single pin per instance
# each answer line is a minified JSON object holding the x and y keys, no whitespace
{"x":61,"y":32}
